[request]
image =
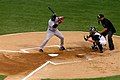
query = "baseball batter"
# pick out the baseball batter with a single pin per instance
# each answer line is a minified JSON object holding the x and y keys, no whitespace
{"x":52,"y":30}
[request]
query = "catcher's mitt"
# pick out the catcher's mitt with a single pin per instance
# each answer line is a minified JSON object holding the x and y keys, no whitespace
{"x":86,"y":38}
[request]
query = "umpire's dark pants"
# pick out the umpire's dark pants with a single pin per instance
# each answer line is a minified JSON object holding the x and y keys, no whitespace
{"x":110,"y":41}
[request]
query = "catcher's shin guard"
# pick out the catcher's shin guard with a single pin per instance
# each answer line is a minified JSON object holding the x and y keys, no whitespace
{"x":94,"y":46}
{"x":100,"y":47}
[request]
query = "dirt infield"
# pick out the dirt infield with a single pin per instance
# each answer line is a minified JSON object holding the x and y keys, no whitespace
{"x":20,"y":59}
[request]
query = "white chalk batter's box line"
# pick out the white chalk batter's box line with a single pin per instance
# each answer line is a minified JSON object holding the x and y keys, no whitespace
{"x":25,"y":50}
{"x":50,"y":62}
{"x":53,"y":63}
{"x":45,"y":64}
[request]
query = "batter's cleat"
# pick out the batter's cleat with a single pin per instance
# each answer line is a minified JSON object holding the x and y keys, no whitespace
{"x":62,"y":48}
{"x":40,"y":50}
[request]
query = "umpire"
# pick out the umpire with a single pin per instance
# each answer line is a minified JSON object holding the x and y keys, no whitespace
{"x":108,"y":29}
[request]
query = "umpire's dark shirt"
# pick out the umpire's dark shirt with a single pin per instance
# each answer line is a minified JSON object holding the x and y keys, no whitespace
{"x":107,"y":24}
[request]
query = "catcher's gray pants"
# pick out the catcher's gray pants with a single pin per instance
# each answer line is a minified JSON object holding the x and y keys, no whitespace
{"x":49,"y":35}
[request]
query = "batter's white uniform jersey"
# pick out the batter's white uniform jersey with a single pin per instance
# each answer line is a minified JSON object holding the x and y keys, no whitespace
{"x":52,"y":31}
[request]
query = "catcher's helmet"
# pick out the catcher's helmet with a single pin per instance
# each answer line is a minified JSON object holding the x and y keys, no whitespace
{"x":100,"y":16}
{"x":92,"y":30}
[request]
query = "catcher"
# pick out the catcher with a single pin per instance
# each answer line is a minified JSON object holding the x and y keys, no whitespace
{"x":52,"y":30}
{"x":97,"y":39}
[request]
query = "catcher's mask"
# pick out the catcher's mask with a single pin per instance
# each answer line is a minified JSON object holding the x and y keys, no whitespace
{"x":92,"y":30}
{"x":53,"y":17}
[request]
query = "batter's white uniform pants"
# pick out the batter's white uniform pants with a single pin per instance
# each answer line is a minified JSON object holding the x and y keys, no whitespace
{"x":50,"y":34}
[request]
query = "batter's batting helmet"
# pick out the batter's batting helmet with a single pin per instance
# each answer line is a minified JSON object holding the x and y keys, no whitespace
{"x":53,"y":17}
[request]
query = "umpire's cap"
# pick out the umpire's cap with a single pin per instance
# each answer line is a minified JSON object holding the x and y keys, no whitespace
{"x":100,"y":16}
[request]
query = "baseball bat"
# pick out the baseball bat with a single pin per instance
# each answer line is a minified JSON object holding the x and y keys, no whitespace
{"x":51,"y":10}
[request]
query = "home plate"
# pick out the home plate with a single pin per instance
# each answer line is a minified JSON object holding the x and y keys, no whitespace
{"x":53,"y":55}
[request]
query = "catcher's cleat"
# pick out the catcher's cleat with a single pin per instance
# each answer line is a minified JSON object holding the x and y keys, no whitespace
{"x":40,"y":50}
{"x":62,"y":48}
{"x":101,"y":51}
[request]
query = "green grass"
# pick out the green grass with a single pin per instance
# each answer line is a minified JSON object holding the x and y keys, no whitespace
{"x":18,"y":16}
{"x":32,"y":15}
{"x":103,"y":78}
{"x":2,"y":77}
